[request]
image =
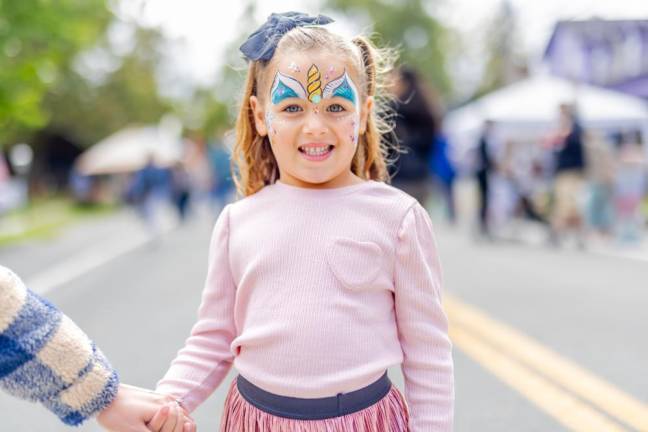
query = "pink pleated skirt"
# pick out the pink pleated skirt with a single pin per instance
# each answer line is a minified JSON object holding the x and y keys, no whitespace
{"x":389,"y":414}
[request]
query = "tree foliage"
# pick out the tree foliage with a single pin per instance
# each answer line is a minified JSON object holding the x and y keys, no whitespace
{"x":90,"y":112}
{"x":38,"y":39}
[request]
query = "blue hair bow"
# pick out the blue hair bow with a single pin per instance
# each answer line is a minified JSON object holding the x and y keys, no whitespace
{"x":262,"y":43}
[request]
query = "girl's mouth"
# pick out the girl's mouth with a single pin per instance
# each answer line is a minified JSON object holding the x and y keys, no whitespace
{"x":316,"y":153}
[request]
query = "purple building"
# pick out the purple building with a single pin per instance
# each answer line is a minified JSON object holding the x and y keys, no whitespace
{"x":612,"y":54}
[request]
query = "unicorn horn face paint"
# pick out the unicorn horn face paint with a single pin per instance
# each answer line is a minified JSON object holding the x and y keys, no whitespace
{"x":312,"y":115}
{"x":314,"y":84}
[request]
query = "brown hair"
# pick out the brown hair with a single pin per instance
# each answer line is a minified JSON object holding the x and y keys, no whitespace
{"x":253,"y":163}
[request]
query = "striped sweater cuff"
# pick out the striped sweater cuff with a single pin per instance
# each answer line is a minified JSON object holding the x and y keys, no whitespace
{"x":93,"y":391}
{"x":45,"y":357}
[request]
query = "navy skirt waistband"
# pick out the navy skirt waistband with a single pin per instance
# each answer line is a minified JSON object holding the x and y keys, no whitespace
{"x":314,"y":409}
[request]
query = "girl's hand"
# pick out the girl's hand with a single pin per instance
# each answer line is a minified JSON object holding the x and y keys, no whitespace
{"x":133,"y":408}
{"x":171,"y":418}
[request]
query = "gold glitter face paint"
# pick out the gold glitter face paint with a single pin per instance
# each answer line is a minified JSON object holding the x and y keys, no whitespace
{"x":314,"y":85}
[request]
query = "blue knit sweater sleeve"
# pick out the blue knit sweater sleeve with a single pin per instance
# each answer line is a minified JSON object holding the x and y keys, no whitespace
{"x":46,"y":358}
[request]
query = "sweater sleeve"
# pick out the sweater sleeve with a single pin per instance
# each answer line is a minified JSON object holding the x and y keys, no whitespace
{"x":46,"y":358}
{"x":205,"y":360}
{"x":422,"y":326}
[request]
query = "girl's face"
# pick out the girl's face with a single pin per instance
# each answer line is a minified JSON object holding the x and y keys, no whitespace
{"x":312,"y":112}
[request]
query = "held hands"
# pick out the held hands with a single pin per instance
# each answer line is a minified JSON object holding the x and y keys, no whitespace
{"x":140,"y":410}
{"x":171,"y":418}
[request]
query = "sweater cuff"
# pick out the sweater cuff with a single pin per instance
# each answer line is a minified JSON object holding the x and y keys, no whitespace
{"x":90,"y":394}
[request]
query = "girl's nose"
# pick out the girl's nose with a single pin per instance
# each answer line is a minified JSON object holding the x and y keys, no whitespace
{"x":314,"y":123}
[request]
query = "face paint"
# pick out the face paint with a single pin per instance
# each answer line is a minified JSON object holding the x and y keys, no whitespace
{"x":355,"y":124}
{"x":293,"y":67}
{"x":342,"y":87}
{"x":269,"y":118}
{"x":329,"y":73}
{"x":314,"y":86}
{"x":285,"y":87}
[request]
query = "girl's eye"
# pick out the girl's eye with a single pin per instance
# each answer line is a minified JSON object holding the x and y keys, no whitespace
{"x":336,"y":108}
{"x":292,"y":109}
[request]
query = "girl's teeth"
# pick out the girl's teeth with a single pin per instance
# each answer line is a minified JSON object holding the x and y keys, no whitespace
{"x":316,"y":151}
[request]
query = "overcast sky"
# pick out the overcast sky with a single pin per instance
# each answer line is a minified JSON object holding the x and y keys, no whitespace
{"x":204,"y":27}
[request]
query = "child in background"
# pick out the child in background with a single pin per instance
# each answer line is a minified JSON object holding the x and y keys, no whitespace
{"x":322,"y":276}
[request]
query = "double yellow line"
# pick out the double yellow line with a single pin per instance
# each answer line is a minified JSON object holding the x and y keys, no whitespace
{"x":570,"y":394}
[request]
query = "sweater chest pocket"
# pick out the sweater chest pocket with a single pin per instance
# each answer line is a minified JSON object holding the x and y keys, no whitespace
{"x":356,"y":264}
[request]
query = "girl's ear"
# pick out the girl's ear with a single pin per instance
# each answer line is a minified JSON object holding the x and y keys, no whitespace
{"x":365,"y":110}
{"x":259,"y":116}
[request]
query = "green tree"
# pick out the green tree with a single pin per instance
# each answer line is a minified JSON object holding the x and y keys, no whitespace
{"x":90,"y":112}
{"x":38,"y":40}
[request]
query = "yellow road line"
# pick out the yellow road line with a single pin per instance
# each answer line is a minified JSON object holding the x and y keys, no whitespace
{"x":560,"y":370}
{"x":565,"y":408}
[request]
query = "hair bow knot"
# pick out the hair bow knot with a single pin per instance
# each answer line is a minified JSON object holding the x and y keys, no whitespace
{"x":261,"y":44}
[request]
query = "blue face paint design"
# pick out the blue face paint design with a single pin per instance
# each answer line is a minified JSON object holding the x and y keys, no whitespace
{"x":285,"y":87}
{"x":346,"y":92}
{"x":341,"y":87}
{"x":282,"y":92}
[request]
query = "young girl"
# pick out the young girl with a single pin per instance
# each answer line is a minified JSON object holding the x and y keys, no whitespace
{"x":322,"y":276}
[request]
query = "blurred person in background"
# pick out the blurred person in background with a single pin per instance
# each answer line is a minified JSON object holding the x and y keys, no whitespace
{"x":46,"y":358}
{"x":569,"y":178}
{"x":222,"y":186}
{"x":517,"y":168}
{"x":181,"y":190}
{"x":484,"y":166}
{"x":5,"y":177}
{"x":444,"y":173}
{"x":149,"y":188}
{"x":416,"y":125}
{"x":199,"y":168}
{"x":630,"y":186}
{"x":599,"y":210}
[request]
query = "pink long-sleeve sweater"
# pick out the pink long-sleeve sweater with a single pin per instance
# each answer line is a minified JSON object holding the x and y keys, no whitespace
{"x":315,"y":292}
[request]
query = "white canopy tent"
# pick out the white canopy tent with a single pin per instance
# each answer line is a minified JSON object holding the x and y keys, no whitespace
{"x":528,"y":109}
{"x":129,"y":150}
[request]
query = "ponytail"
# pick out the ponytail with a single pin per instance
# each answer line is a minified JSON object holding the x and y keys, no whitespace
{"x":370,"y":159}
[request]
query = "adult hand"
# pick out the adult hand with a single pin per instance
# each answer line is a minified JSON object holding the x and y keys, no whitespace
{"x":134,"y":407}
